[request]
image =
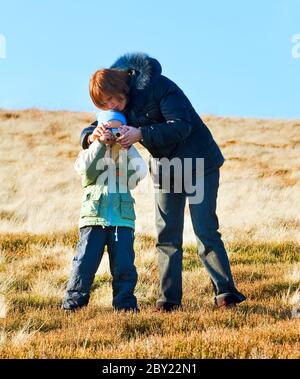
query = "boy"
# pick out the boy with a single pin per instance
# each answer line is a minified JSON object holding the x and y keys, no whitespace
{"x":107,"y":217}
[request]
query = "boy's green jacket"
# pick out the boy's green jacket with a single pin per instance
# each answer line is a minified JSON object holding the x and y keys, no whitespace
{"x":106,"y":182}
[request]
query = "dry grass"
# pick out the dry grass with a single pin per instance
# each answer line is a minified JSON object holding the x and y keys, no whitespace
{"x":258,"y":208}
{"x":34,"y":326}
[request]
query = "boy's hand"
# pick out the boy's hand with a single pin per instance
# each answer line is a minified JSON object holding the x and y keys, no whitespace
{"x":99,"y":132}
{"x":107,"y":137}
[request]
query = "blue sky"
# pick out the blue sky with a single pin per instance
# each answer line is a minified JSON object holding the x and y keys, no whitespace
{"x":231,"y":58}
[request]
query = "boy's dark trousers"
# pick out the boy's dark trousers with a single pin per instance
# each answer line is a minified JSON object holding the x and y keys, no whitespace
{"x":89,"y":253}
{"x":169,"y":223}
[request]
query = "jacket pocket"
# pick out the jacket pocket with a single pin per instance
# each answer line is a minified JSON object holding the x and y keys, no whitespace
{"x":127,"y":206}
{"x":90,"y":203}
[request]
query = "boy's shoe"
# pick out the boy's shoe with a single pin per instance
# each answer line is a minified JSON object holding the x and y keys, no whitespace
{"x":167,"y":307}
{"x":133,"y":310}
{"x":71,"y":306}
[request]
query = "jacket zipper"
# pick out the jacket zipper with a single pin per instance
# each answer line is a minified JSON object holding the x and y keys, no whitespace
{"x":109,"y":216}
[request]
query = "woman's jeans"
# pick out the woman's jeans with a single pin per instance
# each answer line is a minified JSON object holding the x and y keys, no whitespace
{"x":89,"y":253}
{"x":169,"y":224}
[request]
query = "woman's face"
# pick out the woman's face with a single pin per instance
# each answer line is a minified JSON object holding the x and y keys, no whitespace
{"x":114,"y":103}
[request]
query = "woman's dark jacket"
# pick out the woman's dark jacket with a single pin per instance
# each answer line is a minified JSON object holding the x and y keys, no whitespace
{"x":169,"y":124}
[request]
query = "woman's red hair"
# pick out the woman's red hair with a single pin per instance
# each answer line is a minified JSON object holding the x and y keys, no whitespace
{"x":108,"y":82}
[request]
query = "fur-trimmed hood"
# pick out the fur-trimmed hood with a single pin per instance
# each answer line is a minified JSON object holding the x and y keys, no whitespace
{"x":143,"y":69}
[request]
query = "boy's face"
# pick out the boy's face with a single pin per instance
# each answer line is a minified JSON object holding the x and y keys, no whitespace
{"x":114,"y":124}
{"x":114,"y":103}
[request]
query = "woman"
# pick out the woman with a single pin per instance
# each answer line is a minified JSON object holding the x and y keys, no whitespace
{"x":162,"y":119}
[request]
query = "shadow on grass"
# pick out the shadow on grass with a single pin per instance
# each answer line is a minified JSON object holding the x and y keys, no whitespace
{"x":22,"y":302}
{"x":259,"y":309}
{"x":140,"y":326}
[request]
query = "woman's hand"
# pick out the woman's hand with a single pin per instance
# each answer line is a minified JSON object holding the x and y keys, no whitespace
{"x":131,"y":136}
{"x":123,"y":129}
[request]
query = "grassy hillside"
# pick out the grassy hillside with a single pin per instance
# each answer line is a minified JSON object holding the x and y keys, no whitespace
{"x":258,"y":208}
{"x":258,"y":196}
